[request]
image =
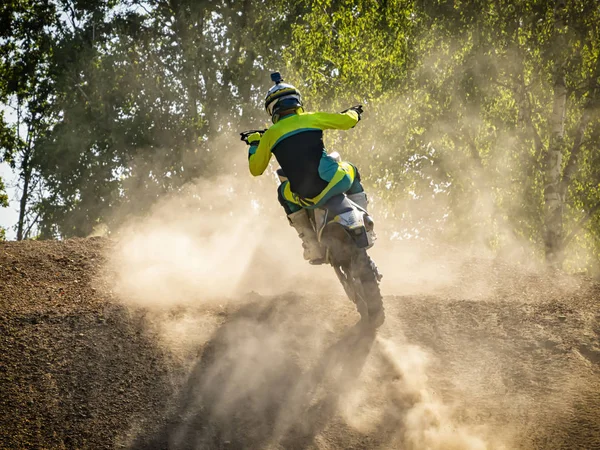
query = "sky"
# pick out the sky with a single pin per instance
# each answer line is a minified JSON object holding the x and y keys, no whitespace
{"x":10,"y":215}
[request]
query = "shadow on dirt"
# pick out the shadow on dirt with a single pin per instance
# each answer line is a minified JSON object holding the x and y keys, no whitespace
{"x":248,"y":388}
{"x":77,"y":380}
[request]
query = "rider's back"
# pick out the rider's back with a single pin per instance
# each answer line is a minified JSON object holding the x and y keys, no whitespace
{"x":296,"y":140}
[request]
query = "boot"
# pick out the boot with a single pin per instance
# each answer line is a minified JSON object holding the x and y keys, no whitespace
{"x":312,"y":249}
{"x":360,"y":199}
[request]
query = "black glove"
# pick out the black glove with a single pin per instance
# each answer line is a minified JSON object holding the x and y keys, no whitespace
{"x":358,"y":109}
{"x":252,"y":137}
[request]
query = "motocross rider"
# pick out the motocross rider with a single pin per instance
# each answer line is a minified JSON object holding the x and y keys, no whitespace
{"x":311,"y":177}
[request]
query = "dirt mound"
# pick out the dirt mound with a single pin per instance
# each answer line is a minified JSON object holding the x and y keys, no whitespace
{"x":512,"y":364}
{"x":76,"y":368}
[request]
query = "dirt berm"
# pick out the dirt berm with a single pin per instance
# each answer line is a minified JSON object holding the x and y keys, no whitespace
{"x":517,"y":366}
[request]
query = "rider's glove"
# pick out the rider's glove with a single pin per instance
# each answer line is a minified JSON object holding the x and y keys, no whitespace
{"x":358,"y":110}
{"x":254,"y":139}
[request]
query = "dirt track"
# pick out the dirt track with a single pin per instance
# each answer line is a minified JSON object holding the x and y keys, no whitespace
{"x":518,"y":366}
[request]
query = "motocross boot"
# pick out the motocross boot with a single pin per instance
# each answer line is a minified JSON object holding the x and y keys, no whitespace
{"x":312,"y":249}
{"x":360,"y":199}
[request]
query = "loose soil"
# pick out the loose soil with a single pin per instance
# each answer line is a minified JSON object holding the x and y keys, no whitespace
{"x":519,"y":361}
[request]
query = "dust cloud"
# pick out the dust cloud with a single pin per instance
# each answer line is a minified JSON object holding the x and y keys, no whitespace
{"x":264,"y":344}
{"x":214,"y":240}
{"x":427,"y":421}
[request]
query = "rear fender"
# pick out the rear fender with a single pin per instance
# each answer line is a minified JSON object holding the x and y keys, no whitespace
{"x":342,"y":212}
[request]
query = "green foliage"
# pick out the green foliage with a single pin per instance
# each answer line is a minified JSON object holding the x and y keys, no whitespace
{"x":462,"y":132}
{"x":124,"y":101}
{"x":3,"y":196}
{"x":26,"y":90}
{"x":3,"y":204}
{"x":140,"y":104}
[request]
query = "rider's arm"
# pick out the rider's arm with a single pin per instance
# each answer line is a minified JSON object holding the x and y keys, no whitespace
{"x":259,"y":156}
{"x":337,"y":121}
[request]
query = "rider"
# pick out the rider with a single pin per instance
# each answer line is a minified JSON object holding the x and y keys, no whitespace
{"x":311,"y":177}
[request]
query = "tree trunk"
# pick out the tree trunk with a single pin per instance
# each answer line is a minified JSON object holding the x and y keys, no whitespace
{"x":553,"y":198}
{"x":26,"y":175}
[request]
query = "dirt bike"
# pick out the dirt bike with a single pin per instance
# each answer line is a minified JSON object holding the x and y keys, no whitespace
{"x":346,"y":231}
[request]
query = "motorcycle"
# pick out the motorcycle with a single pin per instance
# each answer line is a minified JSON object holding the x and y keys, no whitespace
{"x":346,"y":231}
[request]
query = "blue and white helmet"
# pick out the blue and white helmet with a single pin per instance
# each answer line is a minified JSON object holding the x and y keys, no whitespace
{"x":282,"y":96}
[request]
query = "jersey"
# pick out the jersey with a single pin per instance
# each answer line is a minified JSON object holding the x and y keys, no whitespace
{"x":296,"y":141}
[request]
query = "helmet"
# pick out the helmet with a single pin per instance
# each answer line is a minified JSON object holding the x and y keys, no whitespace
{"x":281,"y":97}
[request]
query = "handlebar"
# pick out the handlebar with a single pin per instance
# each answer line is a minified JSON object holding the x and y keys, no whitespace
{"x":357,"y":108}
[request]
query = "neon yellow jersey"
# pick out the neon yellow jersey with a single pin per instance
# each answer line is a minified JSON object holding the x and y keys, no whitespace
{"x":293,"y":124}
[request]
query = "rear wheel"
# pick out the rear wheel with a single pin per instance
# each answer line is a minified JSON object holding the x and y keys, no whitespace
{"x":366,"y":281}
{"x":356,"y":272}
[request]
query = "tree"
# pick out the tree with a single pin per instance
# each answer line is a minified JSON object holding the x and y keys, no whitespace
{"x":481,"y":122}
{"x":482,"y":93}
{"x":25,"y":46}
{"x":141,"y":110}
{"x":6,"y":156}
